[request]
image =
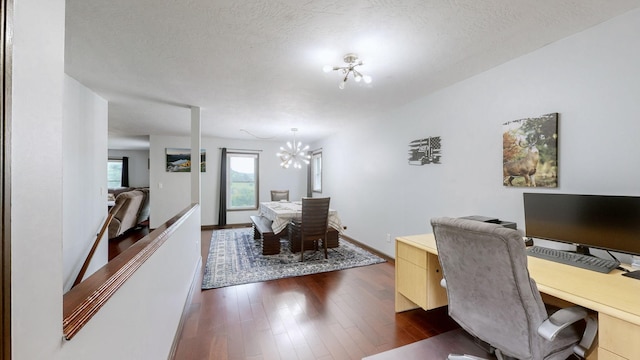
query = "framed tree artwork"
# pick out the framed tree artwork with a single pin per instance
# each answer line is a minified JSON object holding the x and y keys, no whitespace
{"x":530,"y":152}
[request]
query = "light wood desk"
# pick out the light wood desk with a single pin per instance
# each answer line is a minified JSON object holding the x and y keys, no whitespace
{"x":614,"y":297}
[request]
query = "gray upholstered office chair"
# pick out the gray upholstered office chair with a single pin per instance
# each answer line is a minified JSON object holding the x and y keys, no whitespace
{"x":277,"y":195}
{"x":313,"y":224}
{"x":493,"y":298}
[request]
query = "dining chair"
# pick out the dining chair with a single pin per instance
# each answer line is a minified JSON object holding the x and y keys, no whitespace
{"x":277,"y":195}
{"x":313,"y":223}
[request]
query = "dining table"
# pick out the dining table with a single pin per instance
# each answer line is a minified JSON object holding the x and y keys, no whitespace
{"x":282,"y":212}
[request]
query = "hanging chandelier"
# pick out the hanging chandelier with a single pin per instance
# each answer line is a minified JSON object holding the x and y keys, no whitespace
{"x":352,"y":61}
{"x":294,"y":153}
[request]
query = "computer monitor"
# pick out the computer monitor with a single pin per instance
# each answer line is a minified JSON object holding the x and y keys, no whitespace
{"x":596,"y":221}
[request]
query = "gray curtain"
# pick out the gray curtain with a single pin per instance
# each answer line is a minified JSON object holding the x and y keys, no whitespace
{"x":309,"y":189}
{"x":222,"y":214}
{"x":124,"y":181}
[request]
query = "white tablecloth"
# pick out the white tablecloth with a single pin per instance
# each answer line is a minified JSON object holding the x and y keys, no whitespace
{"x":281,"y":213}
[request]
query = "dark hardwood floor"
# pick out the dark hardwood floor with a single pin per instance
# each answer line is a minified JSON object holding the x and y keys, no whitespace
{"x":122,"y":242}
{"x":345,"y":314}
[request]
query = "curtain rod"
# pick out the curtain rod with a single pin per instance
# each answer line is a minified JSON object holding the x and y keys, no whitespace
{"x":242,"y":149}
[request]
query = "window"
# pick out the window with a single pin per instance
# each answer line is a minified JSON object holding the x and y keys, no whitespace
{"x":316,"y":171}
{"x":114,"y":173}
{"x":242,"y":181}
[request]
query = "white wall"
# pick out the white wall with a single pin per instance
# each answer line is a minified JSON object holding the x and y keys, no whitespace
{"x":138,"y":165}
{"x":84,"y":185}
{"x":591,"y":79}
{"x":36,"y":178}
{"x":174,"y":194}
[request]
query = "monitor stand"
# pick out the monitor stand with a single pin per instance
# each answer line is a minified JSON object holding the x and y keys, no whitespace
{"x":584,"y":250}
{"x":632,"y":274}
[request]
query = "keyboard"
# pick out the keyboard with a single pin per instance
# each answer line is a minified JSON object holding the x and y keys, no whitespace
{"x":582,"y":261}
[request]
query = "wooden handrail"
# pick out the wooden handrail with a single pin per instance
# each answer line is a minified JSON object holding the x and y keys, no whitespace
{"x":83,"y":270}
{"x":83,"y":301}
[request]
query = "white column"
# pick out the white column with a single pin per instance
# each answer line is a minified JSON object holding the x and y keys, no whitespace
{"x":195,"y":154}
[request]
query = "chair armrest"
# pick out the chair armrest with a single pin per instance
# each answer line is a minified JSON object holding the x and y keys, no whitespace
{"x":587,"y":338}
{"x":565,"y":317}
{"x":560,"y":320}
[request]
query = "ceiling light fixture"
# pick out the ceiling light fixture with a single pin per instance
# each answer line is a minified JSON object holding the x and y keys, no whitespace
{"x":352,"y":61}
{"x":294,"y":153}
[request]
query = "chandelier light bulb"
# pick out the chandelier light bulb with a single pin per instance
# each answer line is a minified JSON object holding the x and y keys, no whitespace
{"x":327,"y":68}
{"x":367,"y":79}
{"x":341,"y":85}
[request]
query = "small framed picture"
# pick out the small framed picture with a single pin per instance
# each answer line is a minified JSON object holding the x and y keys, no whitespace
{"x":179,"y":160}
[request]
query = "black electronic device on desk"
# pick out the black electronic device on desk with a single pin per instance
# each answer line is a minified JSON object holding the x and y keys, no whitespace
{"x":492,"y":220}
{"x":604,"y":222}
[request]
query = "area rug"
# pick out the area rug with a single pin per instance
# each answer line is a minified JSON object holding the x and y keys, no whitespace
{"x":236,"y":258}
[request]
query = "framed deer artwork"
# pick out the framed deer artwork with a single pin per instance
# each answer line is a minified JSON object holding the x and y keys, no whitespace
{"x":530,"y":152}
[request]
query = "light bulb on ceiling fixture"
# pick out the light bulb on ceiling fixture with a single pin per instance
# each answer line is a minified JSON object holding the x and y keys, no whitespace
{"x":357,"y":76}
{"x":352,"y":61}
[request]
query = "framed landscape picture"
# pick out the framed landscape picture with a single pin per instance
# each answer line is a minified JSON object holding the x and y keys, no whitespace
{"x":530,"y":152}
{"x":179,"y":160}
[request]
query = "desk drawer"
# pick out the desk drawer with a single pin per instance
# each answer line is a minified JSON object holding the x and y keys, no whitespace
{"x":412,"y":254}
{"x":412,"y":282}
{"x":418,"y":276}
{"x":618,"y":337}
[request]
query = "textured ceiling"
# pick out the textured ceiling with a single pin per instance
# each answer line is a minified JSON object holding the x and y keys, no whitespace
{"x":256,"y":65}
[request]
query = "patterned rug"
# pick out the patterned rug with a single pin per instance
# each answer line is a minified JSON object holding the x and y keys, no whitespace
{"x":236,"y":258}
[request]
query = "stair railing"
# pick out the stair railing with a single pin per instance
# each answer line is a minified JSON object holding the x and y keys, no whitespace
{"x":83,"y":270}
